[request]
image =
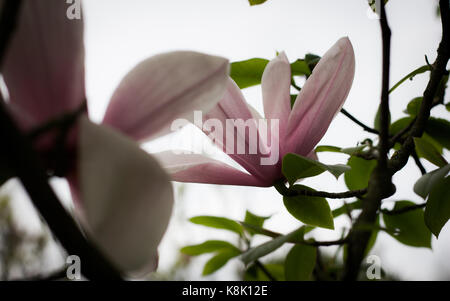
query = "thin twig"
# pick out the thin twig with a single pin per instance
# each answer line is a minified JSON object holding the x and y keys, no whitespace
{"x":404,"y":209}
{"x":353,"y":118}
{"x":283,"y":190}
{"x":265,"y":270}
{"x":418,"y":163}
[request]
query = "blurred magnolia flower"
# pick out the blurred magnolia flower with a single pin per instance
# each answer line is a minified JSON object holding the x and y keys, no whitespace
{"x":300,"y":128}
{"x":124,"y":196}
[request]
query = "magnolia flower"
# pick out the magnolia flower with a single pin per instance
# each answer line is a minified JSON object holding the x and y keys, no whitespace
{"x":124,"y":196}
{"x":299,"y":128}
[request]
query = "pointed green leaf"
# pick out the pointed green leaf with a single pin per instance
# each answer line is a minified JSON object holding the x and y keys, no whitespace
{"x":209,"y":246}
{"x":254,"y":272}
{"x":349,"y":206}
{"x":313,"y":211}
{"x":296,"y":167}
{"x":217,"y":222}
{"x":328,"y":148}
{"x":249,"y":72}
{"x":424,"y":185}
{"x":359,"y":175}
{"x":255,"y":220}
{"x":300,"y":263}
{"x":312,"y":60}
{"x":419,"y":70}
{"x":413,"y":107}
{"x":300,"y":67}
{"x":437,"y":212}
{"x":439,"y":130}
{"x":427,"y":150}
{"x":219,"y":260}
{"x":256,"y":2}
{"x":270,"y":246}
{"x":408,"y":228}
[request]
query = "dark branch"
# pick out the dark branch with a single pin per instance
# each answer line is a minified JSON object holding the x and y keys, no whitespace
{"x":283,"y":190}
{"x":404,"y":209}
{"x":418,"y":163}
{"x":265,"y":270}
{"x":378,"y":188}
{"x":352,"y":118}
{"x":400,"y":158}
{"x":380,"y":183}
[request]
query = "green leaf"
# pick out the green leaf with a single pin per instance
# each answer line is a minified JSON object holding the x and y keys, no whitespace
{"x":419,"y":70}
{"x":408,"y":228}
{"x":413,"y":106}
{"x":300,"y":67}
{"x":353,"y":150}
{"x":439,"y":130}
{"x":249,"y":72}
{"x":437,"y":211}
{"x":373,"y":5}
{"x":219,"y":260}
{"x":300,"y":263}
{"x":426,"y":183}
{"x":296,"y":167}
{"x":359,"y":175}
{"x":270,"y":246}
{"x":349,"y":206}
{"x":293,"y":99}
{"x":256,"y":2}
{"x":255,"y":220}
{"x":313,"y":211}
{"x":312,"y":60}
{"x":427,"y":150}
{"x":328,"y":148}
{"x":217,"y":222}
{"x":400,"y":124}
{"x":209,"y":246}
{"x":447,"y":106}
{"x":254,"y":273}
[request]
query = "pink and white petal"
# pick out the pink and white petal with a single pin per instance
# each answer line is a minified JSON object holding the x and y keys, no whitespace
{"x":44,"y":64}
{"x":163,"y":88}
{"x":237,"y":133}
{"x":195,"y":168}
{"x":321,"y":98}
{"x":276,"y":85}
{"x":126,"y":197}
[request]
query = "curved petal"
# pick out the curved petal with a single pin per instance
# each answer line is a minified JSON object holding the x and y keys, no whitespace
{"x":321,"y":98}
{"x":165,"y":87}
{"x":44,"y":64}
{"x":196,"y":168}
{"x":126,"y":197}
{"x":238,"y":133}
{"x":276,"y":85}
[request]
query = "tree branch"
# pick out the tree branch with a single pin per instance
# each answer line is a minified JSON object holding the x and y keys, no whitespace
{"x":404,"y":209}
{"x":285,"y":191}
{"x":378,"y":187}
{"x":353,"y":118}
{"x":380,"y":183}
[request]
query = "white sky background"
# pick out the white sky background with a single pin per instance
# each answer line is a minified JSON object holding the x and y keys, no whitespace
{"x":121,"y":33}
